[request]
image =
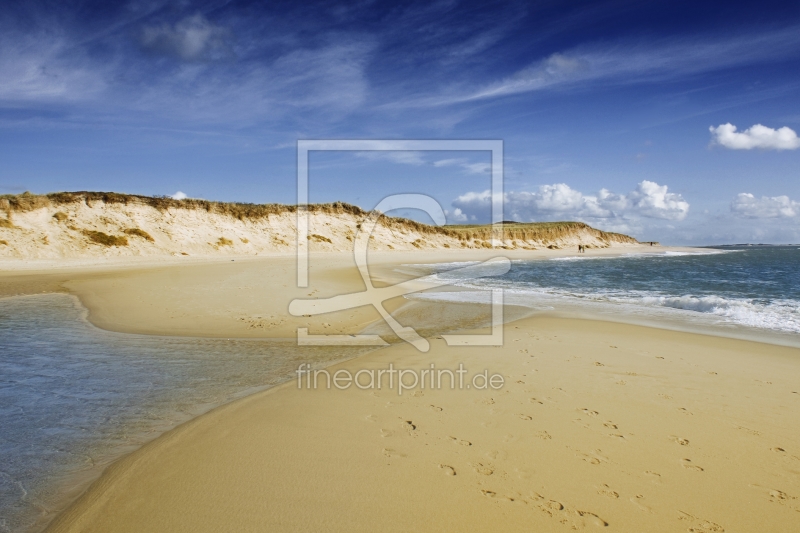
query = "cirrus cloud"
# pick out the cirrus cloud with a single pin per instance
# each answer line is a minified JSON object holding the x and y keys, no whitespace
{"x":194,"y":38}
{"x":757,"y":136}
{"x":559,"y":200}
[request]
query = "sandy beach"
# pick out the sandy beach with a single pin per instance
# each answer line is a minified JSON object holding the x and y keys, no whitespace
{"x":596,"y":425}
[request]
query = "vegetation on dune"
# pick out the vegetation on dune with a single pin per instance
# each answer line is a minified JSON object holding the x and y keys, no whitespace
{"x":319,"y":238}
{"x":480,"y":235}
{"x":28,"y":202}
{"x":139,"y":233}
{"x":536,"y":231}
{"x":6,"y":223}
{"x":222,"y":241}
{"x":106,"y":240}
{"x":60,"y":216}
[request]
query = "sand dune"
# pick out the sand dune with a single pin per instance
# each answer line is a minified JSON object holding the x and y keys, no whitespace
{"x":87,"y":225}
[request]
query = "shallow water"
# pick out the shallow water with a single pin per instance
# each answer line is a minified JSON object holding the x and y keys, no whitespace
{"x":74,"y":397}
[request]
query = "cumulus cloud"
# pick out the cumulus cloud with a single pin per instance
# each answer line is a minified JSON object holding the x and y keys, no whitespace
{"x":757,"y":136}
{"x":559,"y":200}
{"x":180,"y":195}
{"x":748,"y":206}
{"x":191,"y":39}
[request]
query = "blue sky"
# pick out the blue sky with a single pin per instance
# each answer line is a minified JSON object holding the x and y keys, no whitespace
{"x":673,"y":121}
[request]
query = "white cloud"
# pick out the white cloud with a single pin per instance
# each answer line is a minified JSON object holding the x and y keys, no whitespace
{"x":457,"y":215}
{"x":180,"y":195}
{"x":653,"y":200}
{"x":38,"y":67}
{"x":472,"y":168}
{"x":628,"y":62}
{"x":559,"y":200}
{"x":757,"y":136}
{"x":191,"y":39}
{"x":748,"y":206}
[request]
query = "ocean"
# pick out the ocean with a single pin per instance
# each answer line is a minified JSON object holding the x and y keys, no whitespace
{"x":741,"y":291}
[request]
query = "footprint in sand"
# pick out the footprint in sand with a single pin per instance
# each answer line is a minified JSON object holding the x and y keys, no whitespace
{"x":594,"y":458}
{"x":525,"y":417}
{"x":621,"y":382}
{"x":749,"y":431}
{"x":435,"y":408}
{"x":666,"y":396}
{"x":699,"y":525}
{"x":482,"y":469}
{"x":592,"y":518}
{"x":544,"y":435}
{"x":637,"y":501}
{"x":389,"y":452}
{"x":684,"y":411}
{"x":534,"y":400}
{"x":687,"y":463}
{"x":489,"y":493}
{"x":495,"y":454}
{"x":448,"y":470}
{"x":598,"y":363}
{"x":655,"y":477}
{"x":554,"y":505}
{"x":606,"y":491}
{"x":522,"y":473}
{"x":371,"y":418}
{"x":488,"y":401}
{"x":775,"y":495}
{"x":410,"y":427}
{"x":462,"y":442}
{"x":610,"y":425}
{"x":679,"y":440}
{"x":387,"y":433}
{"x":588,"y":412}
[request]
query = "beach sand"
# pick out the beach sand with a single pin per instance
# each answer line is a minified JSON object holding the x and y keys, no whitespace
{"x":598,"y":425}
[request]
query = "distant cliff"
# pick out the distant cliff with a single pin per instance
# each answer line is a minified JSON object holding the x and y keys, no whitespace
{"x":96,"y":224}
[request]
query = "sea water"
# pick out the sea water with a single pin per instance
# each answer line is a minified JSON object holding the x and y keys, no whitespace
{"x":728,"y":290}
{"x":74,"y":397}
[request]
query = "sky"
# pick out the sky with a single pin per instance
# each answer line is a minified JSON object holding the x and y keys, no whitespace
{"x":671,"y":121}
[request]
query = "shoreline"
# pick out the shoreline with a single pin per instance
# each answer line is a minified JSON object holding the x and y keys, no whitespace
{"x":317,"y":443}
{"x":332,"y":277}
{"x":179,"y":296}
